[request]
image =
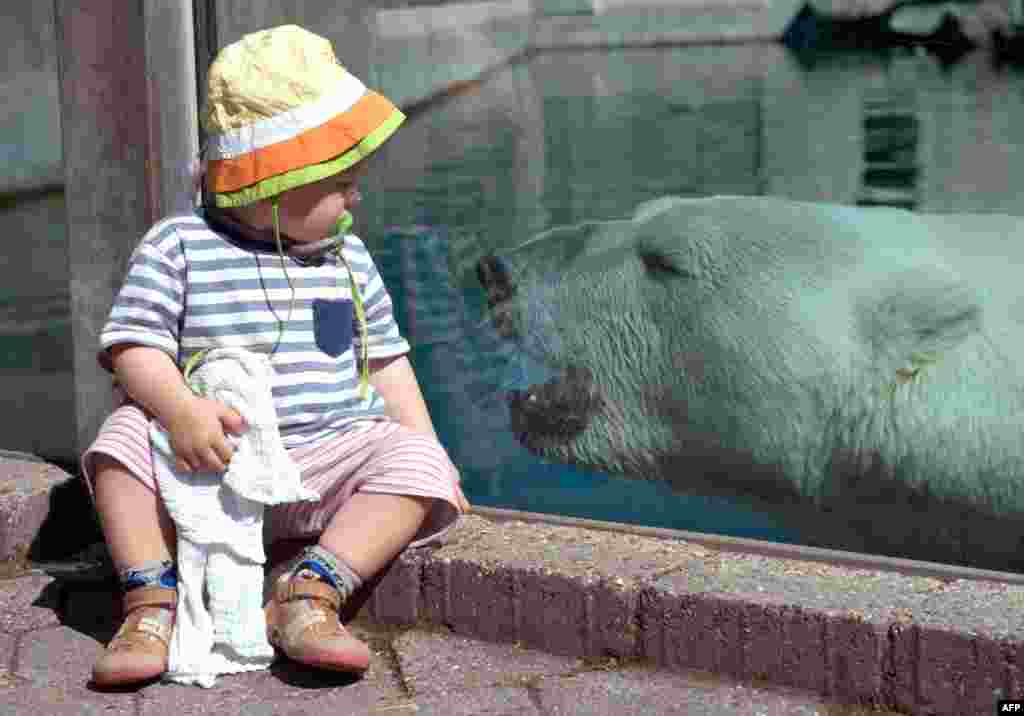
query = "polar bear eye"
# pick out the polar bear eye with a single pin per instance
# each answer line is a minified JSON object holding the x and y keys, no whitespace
{"x":658,"y":263}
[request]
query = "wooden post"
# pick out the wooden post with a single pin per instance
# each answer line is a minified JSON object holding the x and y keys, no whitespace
{"x":127,"y":77}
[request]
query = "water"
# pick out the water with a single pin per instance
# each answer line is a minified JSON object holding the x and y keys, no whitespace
{"x":570,"y":136}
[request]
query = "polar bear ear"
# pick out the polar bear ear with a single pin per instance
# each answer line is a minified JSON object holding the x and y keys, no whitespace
{"x":656,"y":206}
{"x":916,"y":316}
{"x":682,"y":237}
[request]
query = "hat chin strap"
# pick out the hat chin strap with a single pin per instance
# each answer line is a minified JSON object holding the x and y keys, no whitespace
{"x":315,"y":248}
{"x":335,"y":243}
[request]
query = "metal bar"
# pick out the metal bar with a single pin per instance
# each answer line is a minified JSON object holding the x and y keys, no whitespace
{"x":173,"y":113}
{"x":206,"y":46}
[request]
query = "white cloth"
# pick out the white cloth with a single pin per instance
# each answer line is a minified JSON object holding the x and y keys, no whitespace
{"x":219,"y":519}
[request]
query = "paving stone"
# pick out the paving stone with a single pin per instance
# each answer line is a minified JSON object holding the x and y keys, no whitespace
{"x":52,"y":701}
{"x":502,"y":701}
{"x":58,"y":662}
{"x":285,"y":690}
{"x":32,"y":693}
{"x":813,"y":585}
{"x":29,"y":603}
{"x":643,"y":692}
{"x":7,"y":646}
{"x":436,"y":663}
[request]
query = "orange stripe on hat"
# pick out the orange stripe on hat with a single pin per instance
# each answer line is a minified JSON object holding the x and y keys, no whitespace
{"x":312,"y":147}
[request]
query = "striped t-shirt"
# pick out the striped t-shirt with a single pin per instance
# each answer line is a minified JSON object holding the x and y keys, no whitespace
{"x":191,"y":287}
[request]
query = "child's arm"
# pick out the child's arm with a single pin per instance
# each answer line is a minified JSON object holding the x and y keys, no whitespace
{"x":152,"y":379}
{"x":196,"y":425}
{"x":394,"y":379}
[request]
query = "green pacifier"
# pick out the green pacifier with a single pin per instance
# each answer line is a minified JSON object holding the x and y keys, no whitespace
{"x":344,"y":223}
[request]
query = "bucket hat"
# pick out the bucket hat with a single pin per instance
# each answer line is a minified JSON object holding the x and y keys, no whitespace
{"x":281,"y":112}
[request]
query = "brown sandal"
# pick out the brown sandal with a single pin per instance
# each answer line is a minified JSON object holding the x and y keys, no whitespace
{"x":302,"y":621}
{"x":138,"y":652}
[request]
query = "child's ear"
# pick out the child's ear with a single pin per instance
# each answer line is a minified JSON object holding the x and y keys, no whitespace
{"x":207,"y":196}
{"x":357,"y":170}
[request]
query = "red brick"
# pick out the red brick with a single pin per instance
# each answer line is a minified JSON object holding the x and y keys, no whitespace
{"x":396,"y":598}
{"x":784,"y":645}
{"x":900,"y":686}
{"x":855,"y":651}
{"x":553,"y":613}
{"x":612,"y":624}
{"x":958,"y":673}
{"x":698,"y":631}
{"x":483,"y":604}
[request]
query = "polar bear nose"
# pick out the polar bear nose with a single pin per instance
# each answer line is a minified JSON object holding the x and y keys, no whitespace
{"x":493,"y":273}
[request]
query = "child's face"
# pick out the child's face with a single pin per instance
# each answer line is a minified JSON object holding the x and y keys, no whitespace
{"x":310,"y":212}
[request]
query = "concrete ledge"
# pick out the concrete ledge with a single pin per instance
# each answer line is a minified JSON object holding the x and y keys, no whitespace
{"x":28,"y":486}
{"x":912,"y":643}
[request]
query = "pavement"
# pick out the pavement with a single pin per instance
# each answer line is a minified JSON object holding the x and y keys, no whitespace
{"x":510,"y":614}
{"x":53,"y":627}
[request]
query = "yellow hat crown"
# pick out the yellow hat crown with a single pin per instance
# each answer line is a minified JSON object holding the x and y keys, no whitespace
{"x":281,"y":112}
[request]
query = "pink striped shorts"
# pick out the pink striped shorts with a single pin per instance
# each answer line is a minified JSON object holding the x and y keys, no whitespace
{"x":380,"y":456}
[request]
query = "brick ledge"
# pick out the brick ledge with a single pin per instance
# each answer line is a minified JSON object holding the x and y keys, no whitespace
{"x":914,"y":643}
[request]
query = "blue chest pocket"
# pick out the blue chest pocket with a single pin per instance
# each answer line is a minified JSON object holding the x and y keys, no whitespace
{"x":332,"y":325}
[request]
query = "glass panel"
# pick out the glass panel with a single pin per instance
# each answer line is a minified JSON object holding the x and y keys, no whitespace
{"x":586,"y":136}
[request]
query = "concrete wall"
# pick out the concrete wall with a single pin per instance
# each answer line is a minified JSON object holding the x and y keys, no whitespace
{"x":813,"y":127}
{"x":35,"y":328}
{"x":973,"y":105}
{"x":407,"y":51}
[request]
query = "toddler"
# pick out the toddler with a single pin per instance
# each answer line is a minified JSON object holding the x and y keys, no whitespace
{"x":267,"y":264}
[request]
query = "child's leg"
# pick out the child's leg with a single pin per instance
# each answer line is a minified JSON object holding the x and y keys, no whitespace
{"x":380,"y":485}
{"x":362,"y":536}
{"x":141,"y":538}
{"x":370,"y":529}
{"x":135,"y":522}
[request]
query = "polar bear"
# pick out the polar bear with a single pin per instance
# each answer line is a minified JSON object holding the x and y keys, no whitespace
{"x":858,"y":371}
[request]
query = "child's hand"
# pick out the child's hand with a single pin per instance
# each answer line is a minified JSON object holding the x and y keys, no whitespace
{"x":198,"y":435}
